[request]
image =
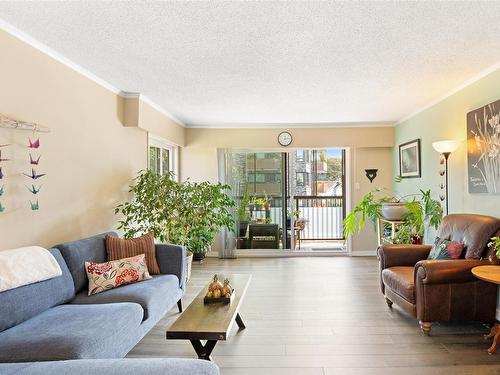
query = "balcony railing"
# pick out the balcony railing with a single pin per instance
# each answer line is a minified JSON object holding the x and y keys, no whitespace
{"x":323,"y":217}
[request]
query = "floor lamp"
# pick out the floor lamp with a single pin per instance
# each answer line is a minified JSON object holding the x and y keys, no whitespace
{"x":445,"y":148}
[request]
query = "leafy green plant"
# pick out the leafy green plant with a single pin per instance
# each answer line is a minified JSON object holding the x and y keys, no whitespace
{"x":369,"y":207}
{"x":495,"y":244}
{"x":422,"y":211}
{"x":242,"y":212}
{"x":187,"y":213}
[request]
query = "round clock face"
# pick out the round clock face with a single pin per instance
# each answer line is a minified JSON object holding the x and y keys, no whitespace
{"x":285,"y":138}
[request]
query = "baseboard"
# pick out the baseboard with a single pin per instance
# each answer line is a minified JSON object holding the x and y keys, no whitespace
{"x":364,"y":253}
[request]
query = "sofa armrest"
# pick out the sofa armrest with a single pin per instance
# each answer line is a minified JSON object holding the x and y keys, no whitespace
{"x":172,"y":260}
{"x":447,"y":271}
{"x":401,"y":255}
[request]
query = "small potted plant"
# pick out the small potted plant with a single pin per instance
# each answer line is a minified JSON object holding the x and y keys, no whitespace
{"x":495,"y":245}
{"x":418,"y":213}
{"x":243,"y":213}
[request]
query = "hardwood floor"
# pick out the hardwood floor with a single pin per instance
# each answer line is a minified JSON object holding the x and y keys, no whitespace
{"x":324,"y":316}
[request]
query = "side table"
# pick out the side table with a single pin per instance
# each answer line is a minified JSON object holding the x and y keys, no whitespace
{"x":490,"y":274}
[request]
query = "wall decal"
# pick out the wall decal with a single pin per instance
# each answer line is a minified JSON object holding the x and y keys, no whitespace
{"x":34,"y":175}
{"x":1,"y":173}
{"x":5,"y":145}
{"x":2,"y":190}
{"x":34,"y":161}
{"x":34,"y":144}
{"x":2,"y":159}
{"x":34,"y":205}
{"x":483,"y":149}
{"x":2,"y":208}
{"x":33,"y":189}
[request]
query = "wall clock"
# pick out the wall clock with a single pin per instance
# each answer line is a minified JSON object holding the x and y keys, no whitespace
{"x":285,"y":139}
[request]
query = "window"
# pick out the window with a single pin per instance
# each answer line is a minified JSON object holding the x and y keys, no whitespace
{"x":162,"y":156}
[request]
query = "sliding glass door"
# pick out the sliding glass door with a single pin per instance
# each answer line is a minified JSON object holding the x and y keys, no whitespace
{"x":291,"y":200}
{"x":258,"y":185}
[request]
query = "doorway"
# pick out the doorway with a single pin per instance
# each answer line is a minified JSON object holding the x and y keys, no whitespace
{"x":286,"y":201}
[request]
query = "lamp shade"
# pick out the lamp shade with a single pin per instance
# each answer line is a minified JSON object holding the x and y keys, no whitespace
{"x":445,"y":146}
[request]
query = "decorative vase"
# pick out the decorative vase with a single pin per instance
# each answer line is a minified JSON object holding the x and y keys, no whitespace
{"x":394,"y":211}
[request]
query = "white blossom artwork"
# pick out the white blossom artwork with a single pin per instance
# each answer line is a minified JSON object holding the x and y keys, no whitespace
{"x":483,"y":149}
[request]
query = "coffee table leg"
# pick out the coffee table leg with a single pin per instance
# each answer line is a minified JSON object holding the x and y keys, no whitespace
{"x":239,"y":321}
{"x":204,"y":351}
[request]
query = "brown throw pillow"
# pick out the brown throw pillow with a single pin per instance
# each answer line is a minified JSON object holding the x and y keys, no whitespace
{"x":119,"y":248}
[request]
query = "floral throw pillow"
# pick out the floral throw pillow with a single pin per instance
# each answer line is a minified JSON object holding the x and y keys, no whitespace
{"x":446,"y":249}
{"x":109,"y":275}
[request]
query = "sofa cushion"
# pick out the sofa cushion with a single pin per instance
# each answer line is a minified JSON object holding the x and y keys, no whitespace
{"x":113,"y":274}
{"x":76,"y":253}
{"x":401,"y":281}
{"x":127,"y":366}
{"x":156,"y":296}
{"x":119,"y":248}
{"x":446,"y":249}
{"x":73,"y":332}
{"x":20,"y":304}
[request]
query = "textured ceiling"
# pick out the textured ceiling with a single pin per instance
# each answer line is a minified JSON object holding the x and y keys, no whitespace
{"x":220,"y":63}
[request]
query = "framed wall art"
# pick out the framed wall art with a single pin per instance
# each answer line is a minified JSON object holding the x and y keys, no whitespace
{"x":409,"y":159}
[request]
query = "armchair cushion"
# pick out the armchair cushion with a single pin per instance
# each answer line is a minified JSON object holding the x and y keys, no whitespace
{"x":401,"y":281}
{"x":473,"y":230}
{"x":447,"y":271}
{"x":446,"y":249}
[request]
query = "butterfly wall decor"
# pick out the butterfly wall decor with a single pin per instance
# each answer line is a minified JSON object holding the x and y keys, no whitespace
{"x":34,"y":144}
{"x":33,"y":189}
{"x":2,"y":208}
{"x":34,"y":205}
{"x":5,"y":145}
{"x":1,"y":173}
{"x":2,"y":190}
{"x":2,"y":159}
{"x":34,"y":161}
{"x":34,"y":175}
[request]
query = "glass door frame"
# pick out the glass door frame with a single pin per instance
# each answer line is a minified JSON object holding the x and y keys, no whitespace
{"x":286,"y":196}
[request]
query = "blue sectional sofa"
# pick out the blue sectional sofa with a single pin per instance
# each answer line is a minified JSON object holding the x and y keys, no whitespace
{"x":55,"y":320}
{"x":128,"y":366}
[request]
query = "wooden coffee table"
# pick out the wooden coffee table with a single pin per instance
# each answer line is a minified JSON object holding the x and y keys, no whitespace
{"x":211,"y":322}
{"x":490,"y":274}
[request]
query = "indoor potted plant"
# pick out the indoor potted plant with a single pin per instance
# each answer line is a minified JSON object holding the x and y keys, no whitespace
{"x":418,"y":213}
{"x":243,"y":214}
{"x":495,"y":245}
{"x":188,"y":213}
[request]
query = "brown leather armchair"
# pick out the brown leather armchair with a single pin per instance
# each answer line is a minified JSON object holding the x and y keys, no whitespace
{"x":442,"y":290}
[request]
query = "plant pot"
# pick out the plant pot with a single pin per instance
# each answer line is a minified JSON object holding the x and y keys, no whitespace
{"x":417,"y":239}
{"x":199,"y":256}
{"x":189,"y":264}
{"x":394,"y":211}
{"x":243,"y":228}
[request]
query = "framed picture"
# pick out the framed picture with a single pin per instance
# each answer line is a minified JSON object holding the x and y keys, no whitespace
{"x":483,"y":151}
{"x":409,"y":159}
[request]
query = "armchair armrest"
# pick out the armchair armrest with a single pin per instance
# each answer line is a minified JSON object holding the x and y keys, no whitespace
{"x":447,"y":271}
{"x":401,"y":255}
{"x":172,"y":261}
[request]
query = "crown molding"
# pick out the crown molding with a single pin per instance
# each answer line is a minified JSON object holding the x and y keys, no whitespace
{"x":28,"y":39}
{"x":21,"y":35}
{"x":463,"y":85}
{"x":321,"y":125}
